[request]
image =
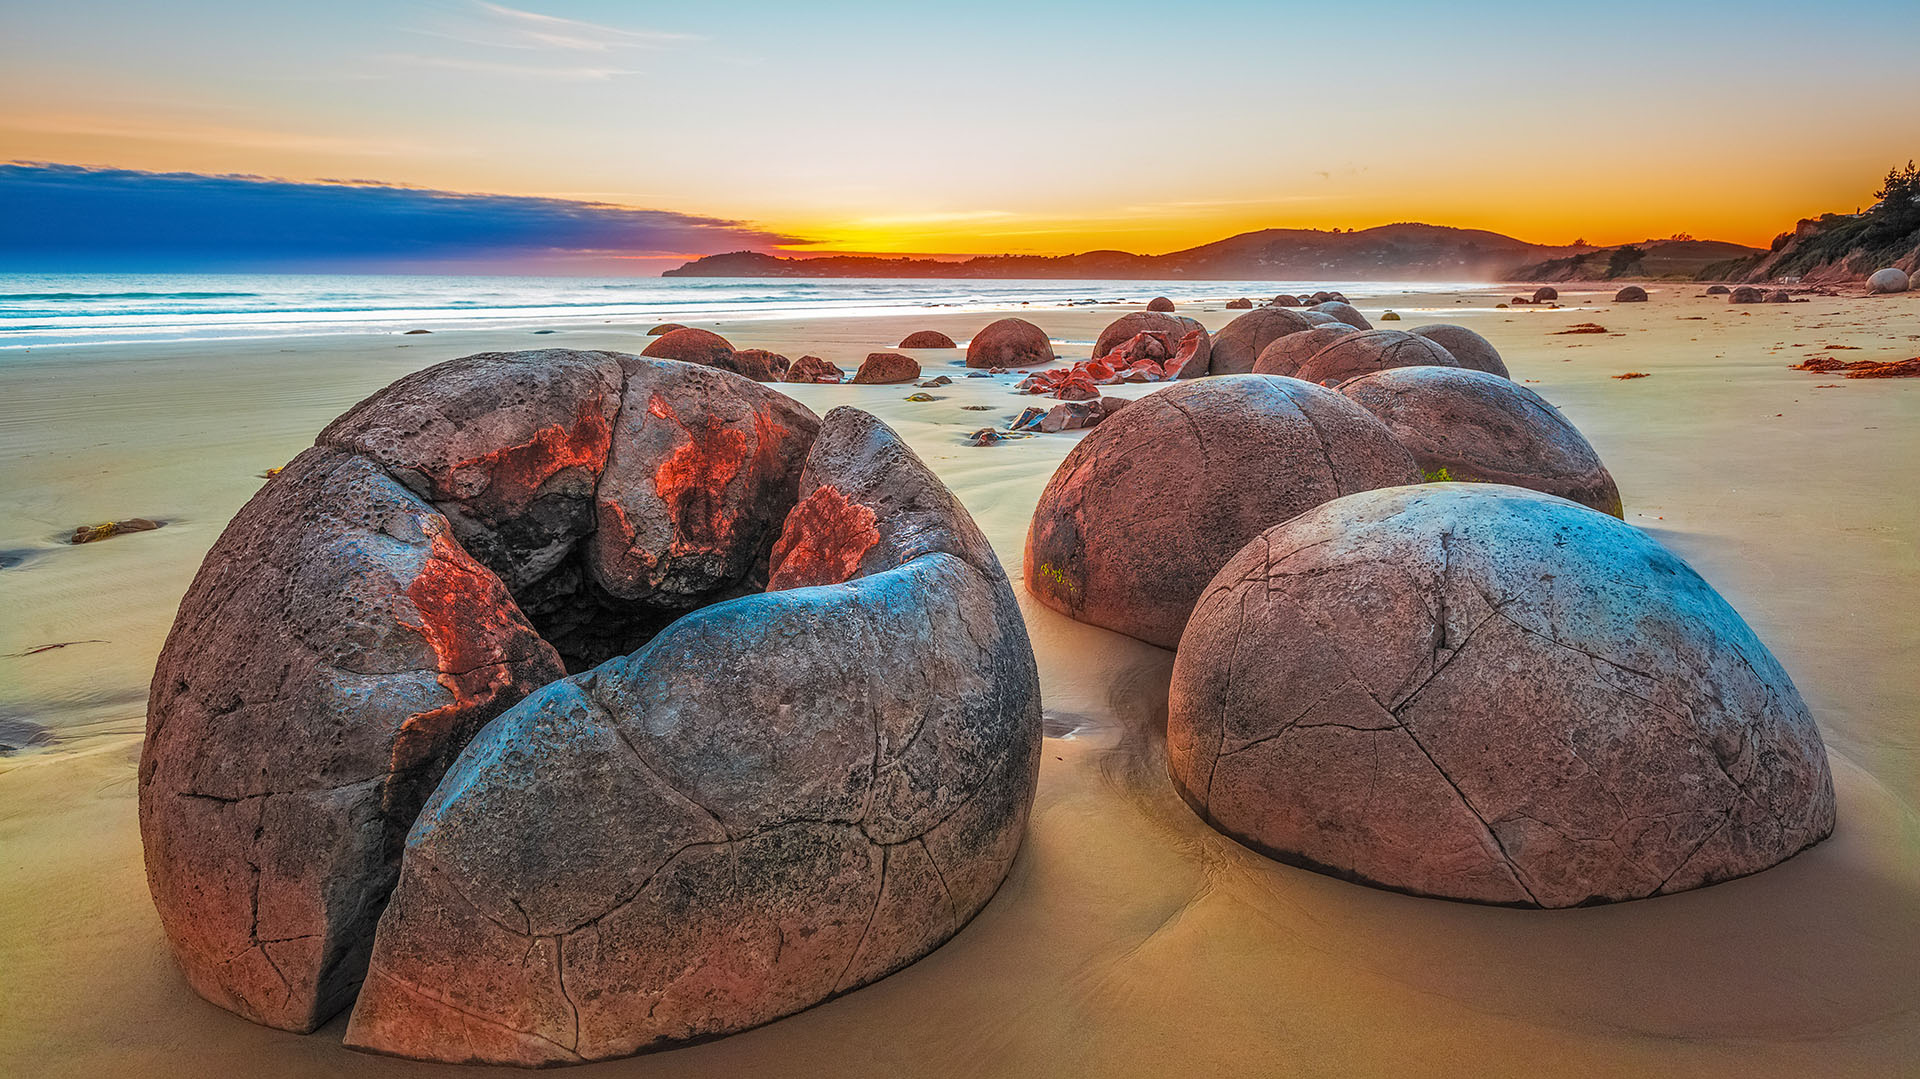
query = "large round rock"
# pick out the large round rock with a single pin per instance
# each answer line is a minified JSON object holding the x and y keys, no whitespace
{"x":1342,"y":311}
{"x":1488,"y":694}
{"x":1240,"y":342}
{"x":1472,"y":350}
{"x":1889,"y":280}
{"x":1631,"y":294}
{"x":1147,"y":507}
{"x":1286,"y":355}
{"x":1372,"y":350}
{"x":1486,"y":429}
{"x":1176,"y":327}
{"x":1010,"y":342}
{"x":780,"y":798}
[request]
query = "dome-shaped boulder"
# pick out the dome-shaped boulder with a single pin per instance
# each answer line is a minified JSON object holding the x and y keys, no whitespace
{"x":759,"y":365}
{"x":1363,"y":353}
{"x":1779,"y":295}
{"x":1545,"y":293}
{"x":1343,"y":311}
{"x":881,"y":368}
{"x":1010,"y":342}
{"x":1160,"y":303}
{"x":664,"y":328}
{"x":1482,"y":693}
{"x":1746,"y":294}
{"x":1889,"y":280}
{"x":1631,"y":294}
{"x":1285,"y":300}
{"x":692,"y":346}
{"x":779,"y":799}
{"x":1241,"y":304}
{"x":1472,"y":350}
{"x":1286,"y":355}
{"x":1718,"y":290}
{"x":1483,"y":428}
{"x":1147,"y":507}
{"x":1239,"y":343}
{"x":927,"y":339}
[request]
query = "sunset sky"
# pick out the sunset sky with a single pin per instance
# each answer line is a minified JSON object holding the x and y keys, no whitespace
{"x":952,"y":128}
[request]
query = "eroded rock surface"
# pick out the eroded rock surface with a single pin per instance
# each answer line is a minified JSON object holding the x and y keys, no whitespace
{"x":1483,"y":693}
{"x":335,"y":652}
{"x":1482,"y":428}
{"x":1148,"y":507}
{"x":781,"y":798}
{"x":1176,"y":327}
{"x":1286,"y":355}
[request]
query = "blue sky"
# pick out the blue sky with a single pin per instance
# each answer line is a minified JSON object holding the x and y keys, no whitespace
{"x":997,"y":126}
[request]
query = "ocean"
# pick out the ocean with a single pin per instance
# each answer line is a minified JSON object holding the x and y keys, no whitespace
{"x":43,"y":310}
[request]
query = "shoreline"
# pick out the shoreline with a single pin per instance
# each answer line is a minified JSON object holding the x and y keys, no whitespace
{"x":1130,"y":938}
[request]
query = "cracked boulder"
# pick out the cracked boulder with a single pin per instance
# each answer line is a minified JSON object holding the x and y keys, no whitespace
{"x":1343,"y":312}
{"x":1146,"y":509}
{"x":1363,"y":353}
{"x":780,"y":798}
{"x":1176,"y":327}
{"x":334,"y":653}
{"x":1482,"y":428}
{"x":1483,"y":693}
{"x":1240,"y":342}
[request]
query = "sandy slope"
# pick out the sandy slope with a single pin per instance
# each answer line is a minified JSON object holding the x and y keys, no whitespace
{"x":1130,"y":938}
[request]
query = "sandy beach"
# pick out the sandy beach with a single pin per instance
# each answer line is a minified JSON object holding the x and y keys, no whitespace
{"x":1130,"y":939}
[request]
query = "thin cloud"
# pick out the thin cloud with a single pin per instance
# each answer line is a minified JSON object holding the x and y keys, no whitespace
{"x":497,"y":26}
{"x":203,"y":134}
{"x":568,"y":73}
{"x":79,"y":217}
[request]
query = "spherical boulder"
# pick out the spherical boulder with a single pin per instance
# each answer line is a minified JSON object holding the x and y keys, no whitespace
{"x":1545,"y":293}
{"x":1631,"y":294}
{"x":1481,"y":693}
{"x":1889,"y":280}
{"x":1913,"y":281}
{"x":886,"y":367}
{"x":1483,"y":428}
{"x":1779,"y":295}
{"x":927,"y":339}
{"x":1147,"y":507}
{"x":664,"y":328}
{"x":1343,"y":311}
{"x":781,"y":798}
{"x":1240,"y":342}
{"x":1241,"y":304}
{"x":1285,"y":355}
{"x":1010,"y":342}
{"x":1160,"y":303}
{"x":1746,"y":294}
{"x":1356,"y":354}
{"x":1321,"y":318}
{"x":695,"y":346}
{"x":1176,"y":327}
{"x":1718,"y":290}
{"x":1472,"y":350}
{"x":1284,"y":300}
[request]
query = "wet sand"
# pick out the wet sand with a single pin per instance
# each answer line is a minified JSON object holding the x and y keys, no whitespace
{"x":1130,"y":939}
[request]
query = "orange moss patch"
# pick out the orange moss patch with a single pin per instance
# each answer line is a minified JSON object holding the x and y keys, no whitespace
{"x":1635,"y":374}
{"x":826,"y":536}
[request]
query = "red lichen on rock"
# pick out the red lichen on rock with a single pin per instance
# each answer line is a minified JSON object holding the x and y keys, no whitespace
{"x":824,"y":540}
{"x":692,"y":480}
{"x":516,"y":473}
{"x":465,"y":614}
